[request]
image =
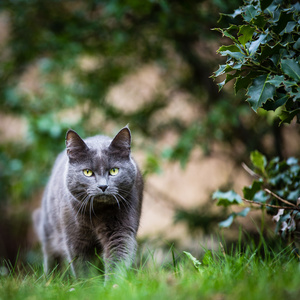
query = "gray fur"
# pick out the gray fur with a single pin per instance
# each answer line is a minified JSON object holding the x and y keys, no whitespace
{"x":77,"y":218}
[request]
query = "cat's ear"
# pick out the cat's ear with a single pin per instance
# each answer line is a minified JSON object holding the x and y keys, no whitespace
{"x":121,"y":143}
{"x":76,"y":147}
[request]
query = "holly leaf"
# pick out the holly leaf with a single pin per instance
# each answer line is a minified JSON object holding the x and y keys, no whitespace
{"x":245,"y":32}
{"x":227,"y":198}
{"x":291,"y":68}
{"x":276,"y":80}
{"x":244,"y":212}
{"x":220,"y":71}
{"x":260,"y":91}
{"x":250,"y":13}
{"x":288,"y":116}
{"x":242,"y":83}
{"x":261,"y":197}
{"x":289,"y":27}
{"x":255,"y":44}
{"x":250,"y":191}
{"x":226,"y":223}
{"x":234,"y":54}
{"x":273,"y":105}
{"x":295,"y":95}
{"x":258,"y":160}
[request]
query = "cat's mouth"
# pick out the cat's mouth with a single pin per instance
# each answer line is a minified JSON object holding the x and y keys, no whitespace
{"x":104,"y":198}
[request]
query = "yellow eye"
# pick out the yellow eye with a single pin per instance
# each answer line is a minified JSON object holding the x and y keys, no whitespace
{"x":87,"y":172}
{"x":114,"y":171}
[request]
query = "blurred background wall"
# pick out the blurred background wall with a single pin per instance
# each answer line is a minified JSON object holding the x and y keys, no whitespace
{"x":96,"y":66}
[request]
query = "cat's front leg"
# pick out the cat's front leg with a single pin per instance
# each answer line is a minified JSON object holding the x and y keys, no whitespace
{"x":79,"y":260}
{"x":119,"y":254}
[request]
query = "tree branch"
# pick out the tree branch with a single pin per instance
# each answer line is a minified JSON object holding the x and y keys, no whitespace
{"x":282,"y":200}
{"x":270,"y":205}
{"x":251,"y":172}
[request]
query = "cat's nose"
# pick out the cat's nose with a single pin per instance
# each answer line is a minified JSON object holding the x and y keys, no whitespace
{"x":102,"y":187}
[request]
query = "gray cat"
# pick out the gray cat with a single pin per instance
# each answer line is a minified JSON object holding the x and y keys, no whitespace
{"x":91,"y":205}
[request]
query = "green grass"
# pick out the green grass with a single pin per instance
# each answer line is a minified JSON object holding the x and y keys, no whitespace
{"x":238,"y":275}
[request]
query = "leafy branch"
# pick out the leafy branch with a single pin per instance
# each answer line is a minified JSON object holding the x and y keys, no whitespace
{"x":263,"y":58}
{"x":276,"y":186}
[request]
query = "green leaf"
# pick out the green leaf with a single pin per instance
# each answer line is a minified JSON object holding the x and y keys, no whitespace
{"x":226,"y":33}
{"x":261,"y":197}
{"x":221,"y":84}
{"x":231,"y":48}
{"x":289,"y":27}
{"x":297,"y":44}
{"x":237,"y":12}
{"x":284,"y":18}
{"x":255,"y":44}
{"x":295,"y":95}
{"x":276,"y":80}
{"x":260,"y":21}
{"x":291,"y":68}
{"x":231,"y":76}
{"x":195,"y":261}
{"x":292,"y":161}
{"x":289,"y":83}
{"x":226,"y":223}
{"x":227,"y":198}
{"x":273,"y":105}
{"x":244,"y":212}
{"x":250,"y":191}
{"x":250,"y":13}
{"x":220,"y":71}
{"x":258,"y":160}
{"x":264,"y":4}
{"x":288,"y":116}
{"x":246,"y":32}
{"x":267,"y":52}
{"x":234,"y":54}
{"x":260,"y":91}
{"x":242,"y":83}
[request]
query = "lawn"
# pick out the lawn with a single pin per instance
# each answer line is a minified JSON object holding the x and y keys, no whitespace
{"x":234,"y":275}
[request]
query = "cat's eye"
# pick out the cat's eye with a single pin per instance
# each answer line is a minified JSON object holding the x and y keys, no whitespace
{"x":114,"y":171}
{"x":88,"y":172}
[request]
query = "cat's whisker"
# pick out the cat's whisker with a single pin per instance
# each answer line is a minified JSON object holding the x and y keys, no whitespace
{"x":117,"y":201}
{"x":82,"y":207}
{"x":126,"y":202}
{"x":91,"y":208}
{"x":86,"y":203}
{"x":115,"y":192}
{"x":126,"y":192}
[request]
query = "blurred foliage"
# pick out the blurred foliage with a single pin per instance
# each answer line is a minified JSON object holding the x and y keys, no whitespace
{"x":276,"y":188}
{"x":62,"y":58}
{"x":53,"y":38}
{"x":201,"y":217}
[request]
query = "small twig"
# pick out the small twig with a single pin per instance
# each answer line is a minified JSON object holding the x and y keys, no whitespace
{"x":248,"y":170}
{"x":282,"y":200}
{"x":273,"y":206}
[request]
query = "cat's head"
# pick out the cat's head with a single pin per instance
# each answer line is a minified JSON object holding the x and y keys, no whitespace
{"x":100,"y":169}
